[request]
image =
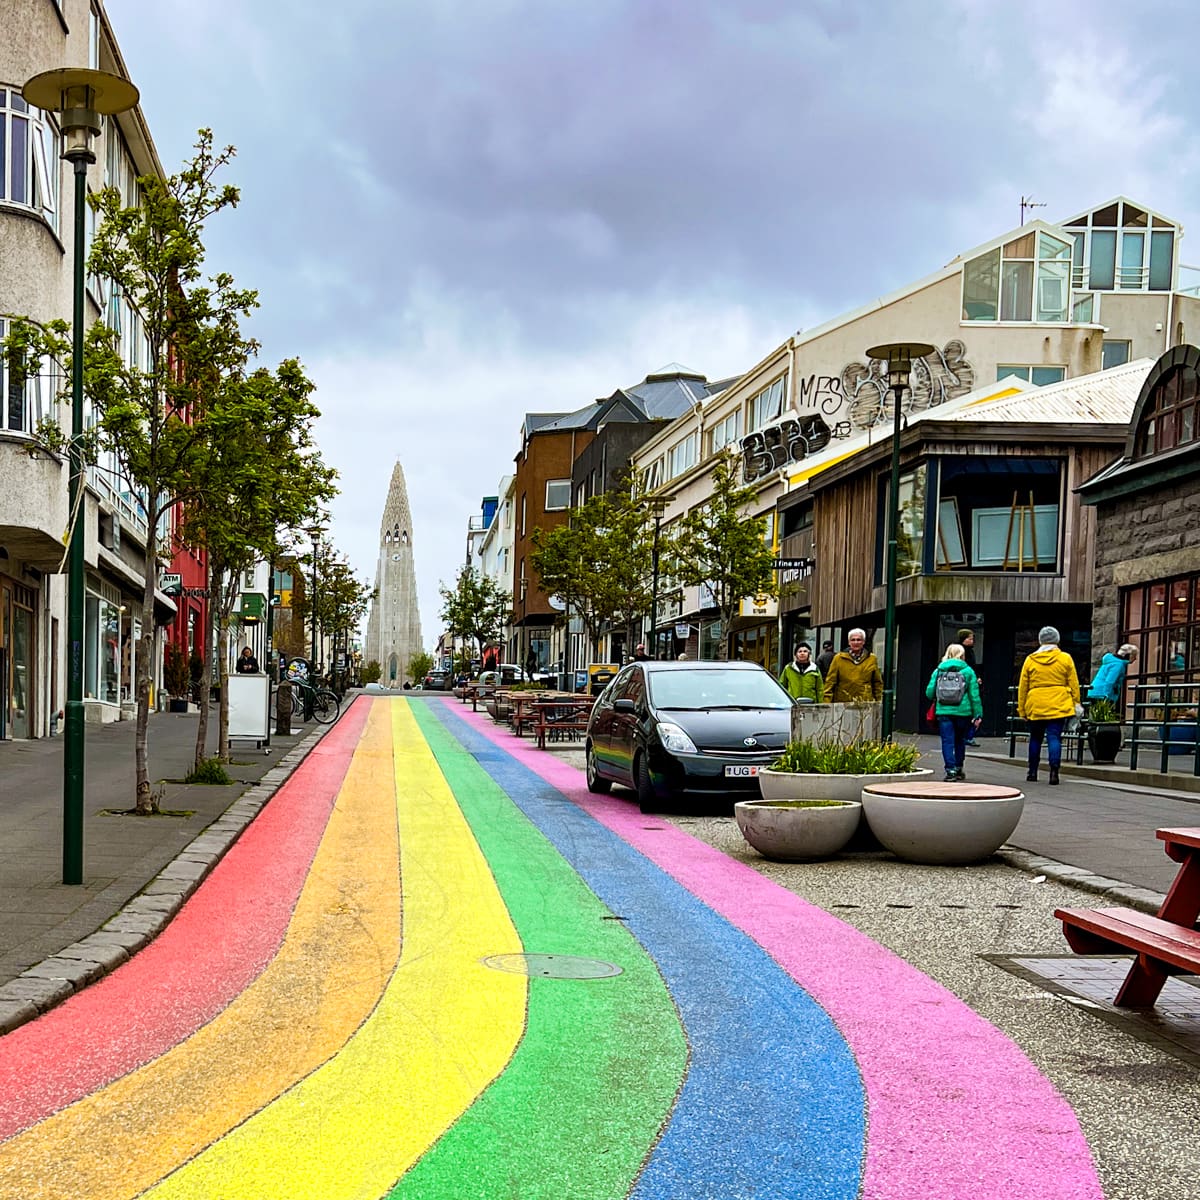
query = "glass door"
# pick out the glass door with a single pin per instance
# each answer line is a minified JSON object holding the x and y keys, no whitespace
{"x":22,"y":674}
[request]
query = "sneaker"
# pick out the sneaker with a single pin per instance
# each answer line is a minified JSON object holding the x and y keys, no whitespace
{"x":953,"y":775}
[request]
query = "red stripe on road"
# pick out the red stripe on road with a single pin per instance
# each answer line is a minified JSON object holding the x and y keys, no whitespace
{"x":218,"y":943}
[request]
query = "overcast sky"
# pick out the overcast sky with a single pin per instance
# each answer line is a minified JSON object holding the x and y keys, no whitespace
{"x":459,"y":211}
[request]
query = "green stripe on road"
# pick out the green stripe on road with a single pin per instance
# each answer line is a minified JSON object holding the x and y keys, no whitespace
{"x":593,"y":1082}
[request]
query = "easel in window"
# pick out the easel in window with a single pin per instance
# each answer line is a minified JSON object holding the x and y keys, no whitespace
{"x":1017,"y":515}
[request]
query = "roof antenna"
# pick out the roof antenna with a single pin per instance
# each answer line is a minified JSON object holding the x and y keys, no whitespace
{"x":1029,"y":202}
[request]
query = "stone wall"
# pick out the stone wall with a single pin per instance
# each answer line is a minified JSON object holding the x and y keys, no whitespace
{"x":1152,"y":535}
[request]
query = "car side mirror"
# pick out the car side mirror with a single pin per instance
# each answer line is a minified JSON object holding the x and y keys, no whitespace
{"x":624,"y":706}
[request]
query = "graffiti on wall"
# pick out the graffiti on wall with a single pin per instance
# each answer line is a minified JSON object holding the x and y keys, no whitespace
{"x":936,"y":378}
{"x":786,"y":441}
{"x":831,"y":406}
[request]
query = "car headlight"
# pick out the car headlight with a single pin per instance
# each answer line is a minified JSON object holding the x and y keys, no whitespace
{"x":674,"y":739}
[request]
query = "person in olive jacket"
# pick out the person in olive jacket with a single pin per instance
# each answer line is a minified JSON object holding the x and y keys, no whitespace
{"x":853,"y":674}
{"x":801,"y":677}
{"x":957,"y":719}
{"x":1047,"y":696}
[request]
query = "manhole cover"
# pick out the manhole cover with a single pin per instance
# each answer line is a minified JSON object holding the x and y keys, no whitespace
{"x":552,"y":966}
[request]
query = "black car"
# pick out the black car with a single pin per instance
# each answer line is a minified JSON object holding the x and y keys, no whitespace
{"x":667,"y":729}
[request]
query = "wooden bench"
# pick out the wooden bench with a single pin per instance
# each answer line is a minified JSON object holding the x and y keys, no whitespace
{"x":1164,"y":945}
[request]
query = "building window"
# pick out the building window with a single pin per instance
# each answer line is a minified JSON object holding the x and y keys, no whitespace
{"x":725,"y":432}
{"x":29,"y":157}
{"x":1169,"y":418}
{"x":1121,"y":247}
{"x":767,"y":405}
{"x":910,"y":534}
{"x":1032,"y":374}
{"x":522,"y":514}
{"x":1026,"y":279}
{"x":23,"y":406}
{"x":999,"y":515}
{"x":1114,"y":353}
{"x":682,"y":455}
{"x":558,"y":494}
{"x":1162,"y":619}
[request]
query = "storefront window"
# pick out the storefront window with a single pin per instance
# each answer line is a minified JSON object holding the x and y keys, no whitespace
{"x":710,"y":640}
{"x":998,"y":514}
{"x":102,"y":650}
{"x":1162,"y":619}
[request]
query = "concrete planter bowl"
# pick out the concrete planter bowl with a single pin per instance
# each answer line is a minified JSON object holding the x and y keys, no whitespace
{"x":942,"y":823}
{"x":792,"y":785}
{"x":797,"y":830}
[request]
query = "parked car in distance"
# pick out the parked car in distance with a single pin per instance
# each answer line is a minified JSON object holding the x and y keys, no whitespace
{"x":437,"y":681}
{"x":672,"y":729}
{"x":503,"y":676}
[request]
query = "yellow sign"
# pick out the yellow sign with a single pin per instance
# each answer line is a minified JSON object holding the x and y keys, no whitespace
{"x":758,"y":606}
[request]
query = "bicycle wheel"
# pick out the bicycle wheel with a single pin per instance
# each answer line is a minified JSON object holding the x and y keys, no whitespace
{"x":325,"y":706}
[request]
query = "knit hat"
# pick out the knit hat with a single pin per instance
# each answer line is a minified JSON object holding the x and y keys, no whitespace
{"x":1048,"y":636}
{"x":963,"y":634}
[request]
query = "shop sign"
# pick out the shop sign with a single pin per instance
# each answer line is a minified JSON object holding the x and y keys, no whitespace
{"x":758,"y":606}
{"x":171,"y":585}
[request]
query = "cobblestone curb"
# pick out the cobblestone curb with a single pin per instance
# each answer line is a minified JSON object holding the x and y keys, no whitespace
{"x":144,"y":917}
{"x":1142,"y":899}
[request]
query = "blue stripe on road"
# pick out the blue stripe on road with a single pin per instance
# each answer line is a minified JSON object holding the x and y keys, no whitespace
{"x":773,"y":1103}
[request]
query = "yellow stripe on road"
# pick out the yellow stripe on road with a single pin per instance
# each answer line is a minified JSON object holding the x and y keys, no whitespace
{"x":339,"y":951}
{"x":444,"y":1029}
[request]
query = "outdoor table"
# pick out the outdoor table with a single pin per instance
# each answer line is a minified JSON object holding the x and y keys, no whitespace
{"x":1165,"y":944}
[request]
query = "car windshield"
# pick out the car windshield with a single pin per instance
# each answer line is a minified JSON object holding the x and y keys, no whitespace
{"x":718,"y":687}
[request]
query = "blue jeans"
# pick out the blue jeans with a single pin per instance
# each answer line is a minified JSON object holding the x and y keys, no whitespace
{"x":1053,"y":734}
{"x":954,"y":731}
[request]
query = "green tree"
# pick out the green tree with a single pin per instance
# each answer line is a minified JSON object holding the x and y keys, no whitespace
{"x":149,"y":407}
{"x":371,"y":673}
{"x":599,"y":562}
{"x":718,"y":546}
{"x":419,"y":665}
{"x":476,"y":607}
{"x":260,"y":479}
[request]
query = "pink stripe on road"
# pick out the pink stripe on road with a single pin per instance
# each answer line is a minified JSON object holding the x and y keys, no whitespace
{"x":218,"y":943}
{"x":955,"y":1108}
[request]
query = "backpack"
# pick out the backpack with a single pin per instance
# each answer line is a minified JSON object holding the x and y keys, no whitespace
{"x":950,"y":688}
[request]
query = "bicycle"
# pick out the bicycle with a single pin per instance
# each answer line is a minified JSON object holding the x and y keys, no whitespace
{"x":325,"y":704}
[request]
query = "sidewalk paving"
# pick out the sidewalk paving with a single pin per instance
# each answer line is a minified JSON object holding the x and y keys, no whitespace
{"x":142,"y":868}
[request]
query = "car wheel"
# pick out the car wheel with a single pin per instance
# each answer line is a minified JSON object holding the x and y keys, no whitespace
{"x":644,"y":785}
{"x":594,"y":782}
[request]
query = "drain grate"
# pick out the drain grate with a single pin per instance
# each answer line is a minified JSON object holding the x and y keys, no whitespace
{"x":552,"y":966}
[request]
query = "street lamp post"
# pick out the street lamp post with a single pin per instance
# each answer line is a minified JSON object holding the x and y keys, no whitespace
{"x":656,"y":507}
{"x":899,"y":357}
{"x":80,"y":97}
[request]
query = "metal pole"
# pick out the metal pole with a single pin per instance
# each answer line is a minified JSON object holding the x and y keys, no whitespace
{"x":268,"y":663}
{"x":889,"y":618}
{"x":654,"y":590}
{"x":73,"y":748}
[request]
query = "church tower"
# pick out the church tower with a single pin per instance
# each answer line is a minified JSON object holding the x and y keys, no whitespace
{"x":394,"y":624}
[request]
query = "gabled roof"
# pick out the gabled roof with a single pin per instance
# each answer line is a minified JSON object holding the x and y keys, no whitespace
{"x":1118,"y":200}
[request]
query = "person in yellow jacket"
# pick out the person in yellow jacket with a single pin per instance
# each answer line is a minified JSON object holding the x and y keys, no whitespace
{"x":1048,"y":695}
{"x":853,"y":674}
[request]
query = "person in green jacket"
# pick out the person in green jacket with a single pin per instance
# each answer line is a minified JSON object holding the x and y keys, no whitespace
{"x":801,"y":676}
{"x":954,"y":689}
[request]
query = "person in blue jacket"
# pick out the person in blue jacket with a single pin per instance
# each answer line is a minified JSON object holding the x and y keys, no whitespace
{"x":1109,"y":680}
{"x":956,"y":706}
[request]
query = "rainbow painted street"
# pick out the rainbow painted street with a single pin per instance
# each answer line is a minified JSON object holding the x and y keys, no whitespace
{"x":436,"y":967}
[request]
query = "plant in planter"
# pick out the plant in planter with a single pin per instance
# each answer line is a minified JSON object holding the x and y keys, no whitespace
{"x":831,"y":770}
{"x":1104,"y":731}
{"x":176,"y":677}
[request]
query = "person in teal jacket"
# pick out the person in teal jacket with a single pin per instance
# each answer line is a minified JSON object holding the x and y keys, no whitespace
{"x":802,"y":678}
{"x":956,"y":718}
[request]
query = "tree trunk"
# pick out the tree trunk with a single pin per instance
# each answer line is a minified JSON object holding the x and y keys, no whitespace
{"x":222,"y":669}
{"x":144,"y":802}
{"x":206,"y":671}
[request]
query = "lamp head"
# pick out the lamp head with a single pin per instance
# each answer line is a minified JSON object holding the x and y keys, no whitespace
{"x":80,"y":96}
{"x":899,"y":357}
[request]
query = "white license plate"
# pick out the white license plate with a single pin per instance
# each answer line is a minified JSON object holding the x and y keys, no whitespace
{"x":741,"y":771}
